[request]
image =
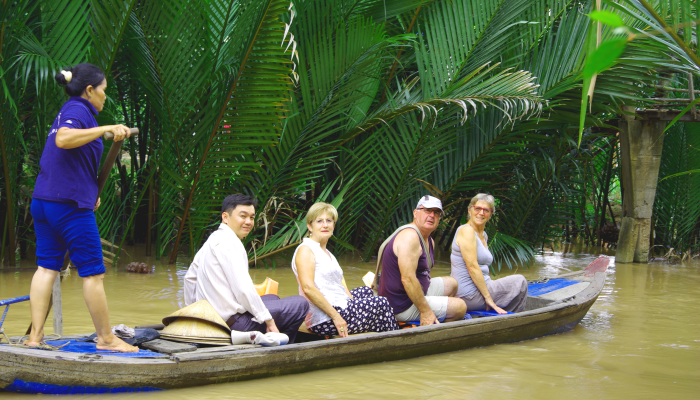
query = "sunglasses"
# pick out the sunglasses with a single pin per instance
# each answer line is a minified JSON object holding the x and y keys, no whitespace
{"x":478,"y":210}
{"x":433,"y":211}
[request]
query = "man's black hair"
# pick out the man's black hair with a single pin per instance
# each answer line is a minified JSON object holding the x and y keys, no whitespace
{"x":234,"y":200}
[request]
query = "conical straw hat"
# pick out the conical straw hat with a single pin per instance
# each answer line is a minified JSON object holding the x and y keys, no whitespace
{"x":199,"y":310}
{"x":187,"y":327}
{"x":200,"y":341}
{"x":212,"y":339}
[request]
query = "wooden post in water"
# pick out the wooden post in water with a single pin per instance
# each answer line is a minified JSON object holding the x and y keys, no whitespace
{"x":57,"y":307}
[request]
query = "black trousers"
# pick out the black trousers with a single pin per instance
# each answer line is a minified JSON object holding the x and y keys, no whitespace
{"x":288,"y":314}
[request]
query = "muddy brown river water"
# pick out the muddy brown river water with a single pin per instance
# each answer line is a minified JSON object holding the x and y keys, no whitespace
{"x":641,"y":339}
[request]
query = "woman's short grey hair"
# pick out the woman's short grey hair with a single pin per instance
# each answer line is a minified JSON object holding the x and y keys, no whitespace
{"x":484,"y":197}
{"x":319,"y":208}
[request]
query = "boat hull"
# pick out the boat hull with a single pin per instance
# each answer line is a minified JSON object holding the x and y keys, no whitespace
{"x":36,"y":371}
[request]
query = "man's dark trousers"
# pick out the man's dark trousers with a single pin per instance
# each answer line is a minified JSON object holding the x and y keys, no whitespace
{"x":288,"y":314}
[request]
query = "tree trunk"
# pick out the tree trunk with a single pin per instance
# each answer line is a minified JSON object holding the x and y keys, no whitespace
{"x":8,"y":193}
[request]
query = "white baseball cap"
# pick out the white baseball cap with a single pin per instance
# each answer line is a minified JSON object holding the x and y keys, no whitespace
{"x":429,"y":202}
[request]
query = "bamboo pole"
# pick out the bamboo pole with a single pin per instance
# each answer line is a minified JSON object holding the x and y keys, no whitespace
{"x":149,"y":225}
{"x":2,"y":242}
{"x":57,"y":309}
{"x":691,"y":92}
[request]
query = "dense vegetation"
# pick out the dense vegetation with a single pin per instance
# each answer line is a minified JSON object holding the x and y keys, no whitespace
{"x":366,"y":103}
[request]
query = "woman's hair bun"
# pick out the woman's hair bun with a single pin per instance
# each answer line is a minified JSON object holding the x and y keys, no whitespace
{"x":64,"y":77}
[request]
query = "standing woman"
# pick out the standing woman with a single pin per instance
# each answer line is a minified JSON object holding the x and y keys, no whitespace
{"x":64,"y":203}
{"x":333,"y":309}
{"x":471,"y":259}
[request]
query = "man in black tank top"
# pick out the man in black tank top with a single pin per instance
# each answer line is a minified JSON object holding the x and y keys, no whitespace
{"x":405,"y":279}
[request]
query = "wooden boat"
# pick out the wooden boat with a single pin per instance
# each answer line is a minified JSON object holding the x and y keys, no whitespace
{"x":60,"y":372}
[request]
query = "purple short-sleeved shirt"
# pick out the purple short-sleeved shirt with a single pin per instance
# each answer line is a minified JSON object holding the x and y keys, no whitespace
{"x":70,"y":175}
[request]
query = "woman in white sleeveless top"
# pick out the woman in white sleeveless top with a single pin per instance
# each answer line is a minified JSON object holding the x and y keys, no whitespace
{"x":471,"y":259}
{"x":333,"y":309}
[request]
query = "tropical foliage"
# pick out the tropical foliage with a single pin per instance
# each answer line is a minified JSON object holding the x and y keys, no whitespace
{"x":368,"y":104}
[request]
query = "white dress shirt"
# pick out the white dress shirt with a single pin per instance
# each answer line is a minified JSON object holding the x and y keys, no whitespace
{"x":219,"y":274}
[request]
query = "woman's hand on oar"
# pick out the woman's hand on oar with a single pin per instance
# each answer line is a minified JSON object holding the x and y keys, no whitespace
{"x":119,"y":132}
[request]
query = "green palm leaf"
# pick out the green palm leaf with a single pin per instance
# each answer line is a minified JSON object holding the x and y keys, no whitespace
{"x":508,"y":250}
{"x":249,"y":115}
{"x":676,"y":209}
{"x":391,"y":161}
{"x":291,"y":234}
{"x":108,"y":20}
{"x":329,"y":99}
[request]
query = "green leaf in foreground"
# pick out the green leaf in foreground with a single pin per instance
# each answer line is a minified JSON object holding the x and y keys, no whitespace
{"x":602,"y":59}
{"x":607,"y":17}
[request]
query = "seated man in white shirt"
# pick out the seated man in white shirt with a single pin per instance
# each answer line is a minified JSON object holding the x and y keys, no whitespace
{"x":219,"y":274}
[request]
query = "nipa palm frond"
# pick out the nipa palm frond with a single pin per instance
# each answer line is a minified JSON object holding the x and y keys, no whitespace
{"x":391,"y":163}
{"x":108,"y":20}
{"x":249,"y":115}
{"x":508,"y":250}
{"x":676,"y":209}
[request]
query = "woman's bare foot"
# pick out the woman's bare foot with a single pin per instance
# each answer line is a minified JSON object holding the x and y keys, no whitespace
{"x":34,"y":340}
{"x":116,"y":344}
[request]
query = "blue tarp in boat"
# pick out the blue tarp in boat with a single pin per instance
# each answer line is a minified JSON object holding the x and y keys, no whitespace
{"x":538,"y":289}
{"x":91,"y":347}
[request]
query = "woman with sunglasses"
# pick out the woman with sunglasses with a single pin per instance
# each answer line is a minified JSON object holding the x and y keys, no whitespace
{"x":471,"y":259}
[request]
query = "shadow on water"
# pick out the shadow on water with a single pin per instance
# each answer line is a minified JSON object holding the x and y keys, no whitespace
{"x":641,"y":339}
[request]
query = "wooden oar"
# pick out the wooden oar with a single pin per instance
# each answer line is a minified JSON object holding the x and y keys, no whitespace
{"x":111,"y":158}
{"x":101,"y":181}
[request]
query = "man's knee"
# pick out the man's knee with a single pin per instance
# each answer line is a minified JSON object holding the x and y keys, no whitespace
{"x":293,"y":307}
{"x":456,"y":308}
{"x":451,"y":286}
{"x":299,"y":304}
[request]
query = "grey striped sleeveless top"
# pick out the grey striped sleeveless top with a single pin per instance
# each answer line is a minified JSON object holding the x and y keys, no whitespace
{"x":459,"y":267}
